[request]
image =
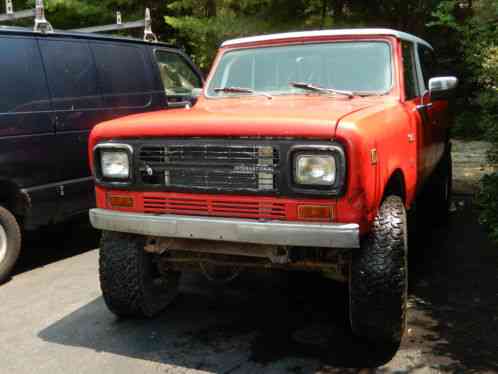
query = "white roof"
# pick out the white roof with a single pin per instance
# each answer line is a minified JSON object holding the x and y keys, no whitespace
{"x":338,"y":32}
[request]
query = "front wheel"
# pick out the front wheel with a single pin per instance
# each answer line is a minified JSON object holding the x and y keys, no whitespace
{"x":379,"y":277}
{"x":131,"y":283}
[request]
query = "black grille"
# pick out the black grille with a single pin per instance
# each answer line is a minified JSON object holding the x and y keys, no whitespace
{"x":219,"y":167}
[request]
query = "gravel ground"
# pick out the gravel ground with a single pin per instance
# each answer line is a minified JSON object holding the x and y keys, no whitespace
{"x":470,"y":164}
{"x":55,"y":321}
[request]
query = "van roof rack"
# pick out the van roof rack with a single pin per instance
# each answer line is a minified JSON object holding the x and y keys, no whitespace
{"x":42,"y":25}
{"x":11,"y":15}
{"x":149,"y":36}
{"x":146,"y":23}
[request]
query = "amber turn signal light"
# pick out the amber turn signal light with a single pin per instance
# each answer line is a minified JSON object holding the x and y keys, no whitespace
{"x":315,"y":213}
{"x":121,"y":201}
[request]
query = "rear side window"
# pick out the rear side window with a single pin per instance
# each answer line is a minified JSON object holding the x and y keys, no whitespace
{"x":124,"y":75}
{"x":71,"y":74}
{"x":428,"y":63}
{"x":23,"y":87}
{"x":409,"y":72}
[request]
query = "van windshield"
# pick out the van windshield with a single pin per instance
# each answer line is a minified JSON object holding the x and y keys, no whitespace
{"x":359,"y":67}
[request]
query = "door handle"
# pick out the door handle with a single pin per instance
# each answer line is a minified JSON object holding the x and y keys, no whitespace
{"x":421,"y":107}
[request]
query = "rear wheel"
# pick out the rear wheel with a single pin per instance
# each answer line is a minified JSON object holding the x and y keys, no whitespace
{"x":379,"y":277}
{"x":10,"y":243}
{"x":131,"y":283}
{"x":434,"y":203}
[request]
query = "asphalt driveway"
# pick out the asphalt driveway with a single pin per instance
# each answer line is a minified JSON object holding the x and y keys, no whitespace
{"x":55,"y":321}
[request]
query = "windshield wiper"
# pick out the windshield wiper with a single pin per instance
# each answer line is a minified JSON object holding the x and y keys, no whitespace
{"x":241,"y":90}
{"x":312,"y":87}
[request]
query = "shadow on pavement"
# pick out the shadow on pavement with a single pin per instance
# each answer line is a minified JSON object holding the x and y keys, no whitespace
{"x":51,"y":244}
{"x":257,"y":321}
{"x":455,"y":294}
{"x":261,"y":321}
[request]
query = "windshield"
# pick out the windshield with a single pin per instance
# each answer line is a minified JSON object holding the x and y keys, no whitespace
{"x":360,"y":67}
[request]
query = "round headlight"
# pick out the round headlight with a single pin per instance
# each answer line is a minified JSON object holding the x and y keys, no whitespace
{"x":315,"y":169}
{"x":115,"y":164}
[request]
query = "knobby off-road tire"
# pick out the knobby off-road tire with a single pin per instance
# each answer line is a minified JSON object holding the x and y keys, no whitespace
{"x":434,"y":202}
{"x":10,"y":243}
{"x":129,"y":278}
{"x":379,"y":277}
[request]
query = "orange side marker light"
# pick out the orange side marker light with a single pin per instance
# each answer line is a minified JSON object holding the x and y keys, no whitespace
{"x":121,"y":201}
{"x":315,"y":213}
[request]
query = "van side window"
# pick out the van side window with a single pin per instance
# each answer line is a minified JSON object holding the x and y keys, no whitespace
{"x":71,"y":74}
{"x":124,"y":77}
{"x":428,"y":63}
{"x":409,"y":72}
{"x":23,"y":87}
{"x":178,"y":77}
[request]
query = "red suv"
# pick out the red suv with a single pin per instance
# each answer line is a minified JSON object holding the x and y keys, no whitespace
{"x":304,"y":152}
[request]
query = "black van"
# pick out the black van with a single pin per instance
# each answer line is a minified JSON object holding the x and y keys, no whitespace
{"x":54,"y":88}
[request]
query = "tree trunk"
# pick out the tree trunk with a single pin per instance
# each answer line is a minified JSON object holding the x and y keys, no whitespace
{"x":338,"y":8}
{"x":324,"y":13}
{"x":211,"y":8}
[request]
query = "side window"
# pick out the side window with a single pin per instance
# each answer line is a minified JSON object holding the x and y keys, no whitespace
{"x":178,"y":77}
{"x":428,"y":63}
{"x":124,"y":75}
{"x":409,"y":71}
{"x":23,"y":87}
{"x":71,"y":74}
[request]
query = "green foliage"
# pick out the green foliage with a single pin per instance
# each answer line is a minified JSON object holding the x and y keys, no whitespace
{"x":478,"y":45}
{"x":488,"y":202}
{"x":205,"y":35}
{"x":469,"y":126}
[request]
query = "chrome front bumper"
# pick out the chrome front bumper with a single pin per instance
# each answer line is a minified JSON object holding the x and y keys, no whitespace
{"x":326,"y":235}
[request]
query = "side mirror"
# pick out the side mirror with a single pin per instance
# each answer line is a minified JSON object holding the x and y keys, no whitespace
{"x":442,"y":88}
{"x":196,"y":92}
{"x":194,"y":96}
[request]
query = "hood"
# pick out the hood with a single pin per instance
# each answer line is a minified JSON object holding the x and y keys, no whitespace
{"x":303,"y":116}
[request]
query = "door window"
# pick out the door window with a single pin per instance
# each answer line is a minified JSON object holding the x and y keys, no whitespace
{"x":23,"y":86}
{"x":428,"y":64}
{"x":123,"y":75}
{"x":409,"y":71}
{"x":71,"y":74}
{"x":178,"y":77}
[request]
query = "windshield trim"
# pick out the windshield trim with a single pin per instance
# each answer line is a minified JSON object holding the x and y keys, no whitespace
{"x":244,"y":48}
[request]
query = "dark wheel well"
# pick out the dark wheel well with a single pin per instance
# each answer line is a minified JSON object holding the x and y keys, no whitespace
{"x":13,"y":199}
{"x":396,"y":185}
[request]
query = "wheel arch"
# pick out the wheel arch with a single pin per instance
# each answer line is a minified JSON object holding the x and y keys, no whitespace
{"x":13,"y":198}
{"x":395,"y":185}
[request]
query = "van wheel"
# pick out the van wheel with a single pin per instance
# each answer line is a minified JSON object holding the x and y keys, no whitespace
{"x":131,"y":283}
{"x":10,"y":243}
{"x":379,"y":277}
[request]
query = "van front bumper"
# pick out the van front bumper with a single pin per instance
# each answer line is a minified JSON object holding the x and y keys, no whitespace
{"x":296,"y":234}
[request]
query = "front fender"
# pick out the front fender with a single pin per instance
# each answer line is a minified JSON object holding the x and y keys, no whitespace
{"x":377,"y":144}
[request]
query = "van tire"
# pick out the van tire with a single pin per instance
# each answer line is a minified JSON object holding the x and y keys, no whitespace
{"x":10,"y":243}
{"x":379,"y":277}
{"x":131,"y":283}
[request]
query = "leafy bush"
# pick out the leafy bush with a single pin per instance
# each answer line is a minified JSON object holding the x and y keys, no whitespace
{"x":204,"y":35}
{"x":469,"y":125}
{"x":488,"y":203}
